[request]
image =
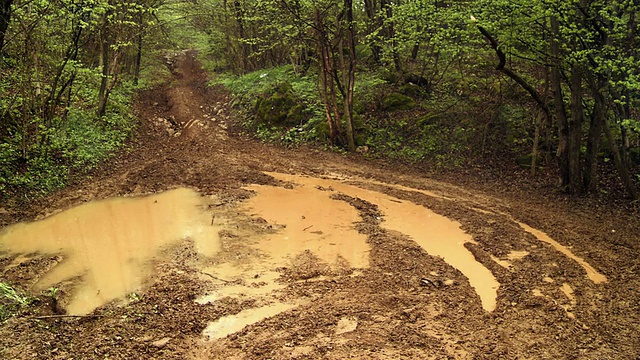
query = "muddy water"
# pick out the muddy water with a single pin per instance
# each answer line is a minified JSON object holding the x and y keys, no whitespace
{"x":438,"y":235}
{"x":108,"y":243}
{"x":312,"y":221}
{"x":308,"y":219}
{"x":233,"y":323}
{"x":592,"y":273}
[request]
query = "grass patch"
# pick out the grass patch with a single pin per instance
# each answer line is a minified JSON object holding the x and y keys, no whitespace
{"x":11,"y":301}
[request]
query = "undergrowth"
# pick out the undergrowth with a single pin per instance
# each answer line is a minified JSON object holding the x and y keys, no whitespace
{"x":247,"y":89}
{"x":74,"y":144}
{"x":37,"y":157}
{"x":429,"y":133}
{"x":11,"y":301}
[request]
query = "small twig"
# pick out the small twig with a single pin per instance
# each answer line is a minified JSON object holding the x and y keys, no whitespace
{"x":307,"y":228}
{"x":214,"y":277}
{"x":213,"y":217}
{"x":65,"y":316}
{"x":434,"y":283}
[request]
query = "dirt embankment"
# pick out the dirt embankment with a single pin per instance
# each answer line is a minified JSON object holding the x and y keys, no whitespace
{"x":400,"y":301}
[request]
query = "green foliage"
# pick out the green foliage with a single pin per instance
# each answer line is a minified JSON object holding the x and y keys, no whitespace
{"x":430,"y":139}
{"x":11,"y":301}
{"x":367,"y":85}
{"x":53,"y":292}
{"x":61,"y":113}
{"x":277,"y":96}
{"x":73,"y":146}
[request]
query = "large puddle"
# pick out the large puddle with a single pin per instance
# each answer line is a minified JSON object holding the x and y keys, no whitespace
{"x":109,"y":243}
{"x":301,"y":207}
{"x":310,"y":220}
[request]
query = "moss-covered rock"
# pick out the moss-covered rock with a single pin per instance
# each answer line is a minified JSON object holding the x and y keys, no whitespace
{"x":389,"y":76}
{"x":282,"y":108}
{"x":322,"y":131}
{"x":397,"y":101}
{"x":428,"y":119}
{"x":411,"y":89}
{"x":295,"y":115}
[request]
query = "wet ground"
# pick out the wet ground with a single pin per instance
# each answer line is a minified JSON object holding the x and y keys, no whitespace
{"x":202,"y":244}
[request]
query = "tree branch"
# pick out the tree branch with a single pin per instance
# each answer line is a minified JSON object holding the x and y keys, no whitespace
{"x":515,"y":77}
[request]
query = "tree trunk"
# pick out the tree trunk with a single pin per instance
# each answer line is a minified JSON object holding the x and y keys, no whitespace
{"x":349,"y":71}
{"x":623,"y":171}
{"x":327,"y":83}
{"x":536,"y":143}
{"x":239,"y":15}
{"x":5,"y":18}
{"x":372,"y":14}
{"x":590,"y":176}
{"x":104,"y":56}
{"x":575,"y":129}
{"x":390,"y":33}
{"x":136,"y":71}
{"x":539,"y":99}
{"x":558,"y":101}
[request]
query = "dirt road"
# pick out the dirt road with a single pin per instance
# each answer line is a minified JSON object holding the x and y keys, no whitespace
{"x":249,"y":251}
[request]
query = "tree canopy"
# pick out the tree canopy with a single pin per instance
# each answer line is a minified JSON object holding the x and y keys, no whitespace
{"x":562,"y":77}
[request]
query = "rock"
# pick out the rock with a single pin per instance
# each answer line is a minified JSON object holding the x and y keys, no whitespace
{"x":397,"y":101}
{"x":161,"y":343}
{"x":411,"y":89}
{"x":346,"y":324}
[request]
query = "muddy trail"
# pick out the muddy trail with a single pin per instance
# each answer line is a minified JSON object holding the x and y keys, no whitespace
{"x":199,"y":243}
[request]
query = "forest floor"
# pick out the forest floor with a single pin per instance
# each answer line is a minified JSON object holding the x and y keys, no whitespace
{"x":505,"y":290}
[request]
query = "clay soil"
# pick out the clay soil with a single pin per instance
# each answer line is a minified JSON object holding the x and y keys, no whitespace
{"x":402,"y":306}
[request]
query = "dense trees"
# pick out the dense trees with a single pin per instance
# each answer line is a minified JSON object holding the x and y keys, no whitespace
{"x":571,"y":66}
{"x":587,"y":49}
{"x":60,"y":62}
{"x":576,"y":60}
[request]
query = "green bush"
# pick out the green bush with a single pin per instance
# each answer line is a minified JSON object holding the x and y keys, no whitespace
{"x":428,"y":139}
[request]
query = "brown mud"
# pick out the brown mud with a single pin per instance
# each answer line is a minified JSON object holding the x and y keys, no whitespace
{"x":361,"y":283}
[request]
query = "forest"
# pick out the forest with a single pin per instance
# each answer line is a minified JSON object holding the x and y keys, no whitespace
{"x":319,"y":179}
{"x":551,"y":86}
